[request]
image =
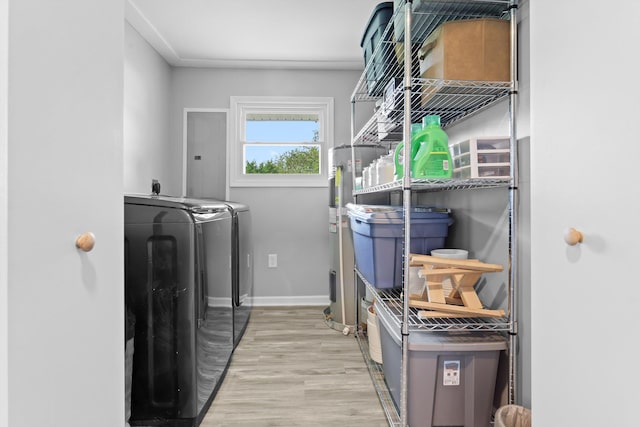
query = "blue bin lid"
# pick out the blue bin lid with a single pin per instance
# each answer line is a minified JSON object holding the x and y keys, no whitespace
{"x":387,"y":214}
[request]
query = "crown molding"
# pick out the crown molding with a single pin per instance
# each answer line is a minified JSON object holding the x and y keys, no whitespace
{"x":152,"y":35}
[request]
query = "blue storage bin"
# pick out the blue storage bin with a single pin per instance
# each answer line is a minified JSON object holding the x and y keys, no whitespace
{"x":378,"y":239}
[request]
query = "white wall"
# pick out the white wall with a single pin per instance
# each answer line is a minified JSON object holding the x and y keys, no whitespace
{"x":65,"y":338}
{"x":291,"y":222}
{"x":4,"y":300}
{"x":585,"y":150}
{"x":147,"y":78}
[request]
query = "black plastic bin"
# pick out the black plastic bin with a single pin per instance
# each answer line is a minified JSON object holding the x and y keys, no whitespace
{"x":379,"y":63}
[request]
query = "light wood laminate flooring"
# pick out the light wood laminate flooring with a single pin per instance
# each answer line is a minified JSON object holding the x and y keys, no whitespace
{"x":291,"y":369}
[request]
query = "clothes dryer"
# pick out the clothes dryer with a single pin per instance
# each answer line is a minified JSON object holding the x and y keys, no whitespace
{"x":178,"y":254}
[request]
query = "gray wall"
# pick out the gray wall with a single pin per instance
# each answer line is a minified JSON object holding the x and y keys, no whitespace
{"x":290,"y":222}
{"x":147,"y":78}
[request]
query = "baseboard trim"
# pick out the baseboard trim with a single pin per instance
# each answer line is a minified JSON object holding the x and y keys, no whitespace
{"x":283,"y":301}
{"x":219,"y":302}
{"x":319,"y":300}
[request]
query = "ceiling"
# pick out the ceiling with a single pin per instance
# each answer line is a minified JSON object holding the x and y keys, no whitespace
{"x":313,"y":34}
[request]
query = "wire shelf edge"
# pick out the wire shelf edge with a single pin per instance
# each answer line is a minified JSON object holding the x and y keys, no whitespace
{"x":426,"y":185}
{"x":390,"y":300}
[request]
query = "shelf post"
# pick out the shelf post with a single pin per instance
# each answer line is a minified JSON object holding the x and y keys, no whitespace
{"x":356,"y":296}
{"x":353,"y":150}
{"x":513,"y":206}
{"x":406,"y":200}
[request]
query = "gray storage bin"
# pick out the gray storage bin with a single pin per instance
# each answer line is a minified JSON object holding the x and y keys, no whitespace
{"x":451,"y":376}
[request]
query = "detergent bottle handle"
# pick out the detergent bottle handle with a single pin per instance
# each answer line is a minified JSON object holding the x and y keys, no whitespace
{"x":422,"y":155}
{"x":397,"y":153}
{"x":398,"y":170}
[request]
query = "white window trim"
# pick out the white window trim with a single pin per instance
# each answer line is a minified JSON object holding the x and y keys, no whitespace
{"x":239,"y":105}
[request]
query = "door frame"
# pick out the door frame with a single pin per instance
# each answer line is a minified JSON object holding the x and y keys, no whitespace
{"x":185,"y":113}
{"x":4,"y":228}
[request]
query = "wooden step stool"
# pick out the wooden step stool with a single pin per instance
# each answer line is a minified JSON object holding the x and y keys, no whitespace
{"x":461,"y":300}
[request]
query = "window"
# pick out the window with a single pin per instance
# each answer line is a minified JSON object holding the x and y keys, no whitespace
{"x":280,"y":142}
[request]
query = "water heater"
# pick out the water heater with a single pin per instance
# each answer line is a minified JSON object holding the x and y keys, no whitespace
{"x":342,"y":165}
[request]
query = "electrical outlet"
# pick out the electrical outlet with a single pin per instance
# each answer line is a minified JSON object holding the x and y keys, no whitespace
{"x":273,"y":260}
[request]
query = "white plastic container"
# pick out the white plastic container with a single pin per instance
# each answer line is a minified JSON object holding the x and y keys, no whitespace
{"x":450,"y":253}
{"x":373,"y":333}
{"x":453,"y":254}
{"x":416,"y":283}
{"x":373,"y":173}
{"x":486,"y":157}
{"x":385,"y":169}
{"x":513,"y":416}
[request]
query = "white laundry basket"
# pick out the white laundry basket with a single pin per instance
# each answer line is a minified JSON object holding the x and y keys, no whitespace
{"x":449,"y":253}
{"x":373,"y":332}
{"x":513,"y":416}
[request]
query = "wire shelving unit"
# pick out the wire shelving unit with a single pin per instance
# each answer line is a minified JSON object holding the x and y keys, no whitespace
{"x":403,"y":98}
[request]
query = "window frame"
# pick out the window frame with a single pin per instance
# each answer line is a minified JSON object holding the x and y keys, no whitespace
{"x":241,"y":106}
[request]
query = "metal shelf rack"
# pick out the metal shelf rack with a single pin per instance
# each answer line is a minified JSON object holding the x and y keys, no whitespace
{"x":427,"y":185}
{"x":390,"y":300}
{"x":452,"y":100}
{"x":377,"y":376}
{"x":404,"y":98}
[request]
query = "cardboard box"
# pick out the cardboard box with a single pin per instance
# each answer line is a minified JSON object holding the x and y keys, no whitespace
{"x":473,"y":49}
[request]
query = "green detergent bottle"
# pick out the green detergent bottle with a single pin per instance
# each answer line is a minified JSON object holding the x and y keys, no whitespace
{"x":399,"y":170}
{"x":433,"y":159}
